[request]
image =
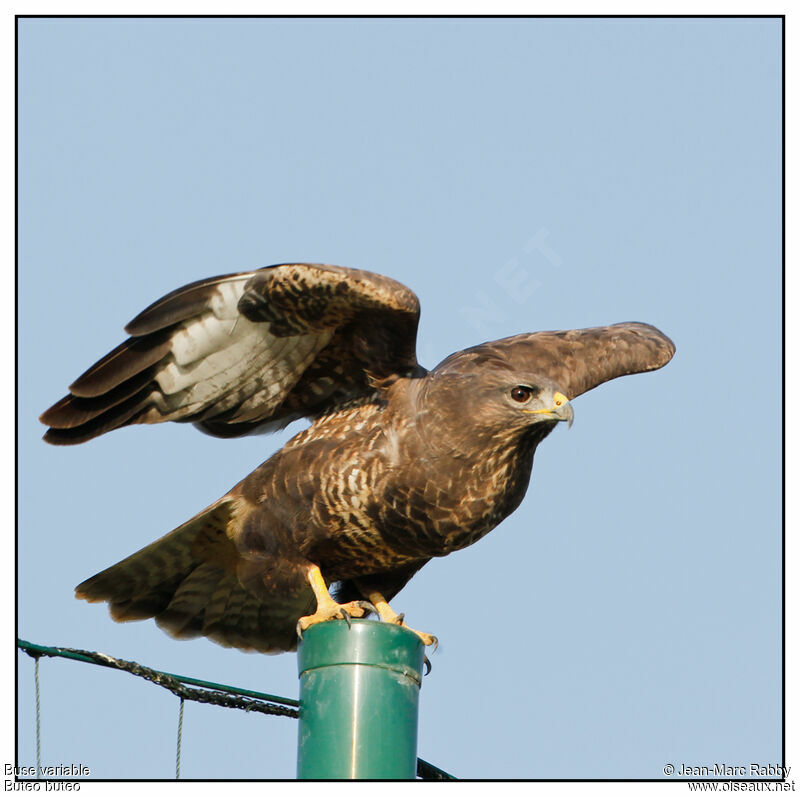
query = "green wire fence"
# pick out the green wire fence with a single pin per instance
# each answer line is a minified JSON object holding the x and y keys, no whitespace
{"x":185,"y":688}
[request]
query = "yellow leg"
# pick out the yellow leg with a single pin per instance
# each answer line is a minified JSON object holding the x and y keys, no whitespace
{"x":327,"y":608}
{"x":389,"y":615}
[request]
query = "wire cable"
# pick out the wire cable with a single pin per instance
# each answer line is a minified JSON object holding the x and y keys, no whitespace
{"x":38,"y":719}
{"x":180,"y":739}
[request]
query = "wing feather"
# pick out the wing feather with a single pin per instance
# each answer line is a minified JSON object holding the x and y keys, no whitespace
{"x":127,"y":360}
{"x":238,"y":352}
{"x":576,"y":360}
{"x":218,"y":294}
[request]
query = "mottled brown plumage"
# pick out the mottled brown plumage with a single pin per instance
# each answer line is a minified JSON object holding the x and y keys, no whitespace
{"x":399,"y":465}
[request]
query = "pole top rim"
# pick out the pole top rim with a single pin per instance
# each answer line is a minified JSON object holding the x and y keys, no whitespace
{"x":365,"y":642}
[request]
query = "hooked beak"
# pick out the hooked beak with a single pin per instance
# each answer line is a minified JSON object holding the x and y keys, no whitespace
{"x":560,"y":411}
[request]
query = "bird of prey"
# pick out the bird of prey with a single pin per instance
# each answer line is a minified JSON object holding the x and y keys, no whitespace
{"x":399,"y":464}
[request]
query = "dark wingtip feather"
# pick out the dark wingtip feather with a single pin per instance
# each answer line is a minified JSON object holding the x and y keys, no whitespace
{"x":73,"y":411}
{"x":129,"y":359}
{"x":65,"y":437}
{"x":122,"y":413}
{"x":54,"y":416}
{"x":178,"y":305}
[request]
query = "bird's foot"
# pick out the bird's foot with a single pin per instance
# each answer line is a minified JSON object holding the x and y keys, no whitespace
{"x":427,"y":639}
{"x":380,"y":606}
{"x":388,"y":615}
{"x":334,"y":611}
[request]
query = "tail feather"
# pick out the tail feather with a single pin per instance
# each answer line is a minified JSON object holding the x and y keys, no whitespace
{"x":156,"y":565}
{"x":148,"y":604}
{"x":189,"y":582}
{"x":183,"y":617}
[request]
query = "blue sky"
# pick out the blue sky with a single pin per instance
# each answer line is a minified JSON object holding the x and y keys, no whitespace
{"x":517,"y":175}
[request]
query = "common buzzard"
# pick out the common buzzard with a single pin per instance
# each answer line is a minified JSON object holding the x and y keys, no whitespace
{"x":399,"y":465}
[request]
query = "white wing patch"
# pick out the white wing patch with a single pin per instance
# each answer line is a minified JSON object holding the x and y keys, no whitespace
{"x":222,"y":359}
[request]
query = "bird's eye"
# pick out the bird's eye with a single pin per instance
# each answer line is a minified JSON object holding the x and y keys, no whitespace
{"x":521,"y":393}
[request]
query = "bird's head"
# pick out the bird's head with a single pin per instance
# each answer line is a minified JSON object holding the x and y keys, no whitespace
{"x":487,"y":399}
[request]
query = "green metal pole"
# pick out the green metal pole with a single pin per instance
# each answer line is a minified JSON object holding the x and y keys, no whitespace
{"x":359,"y":701}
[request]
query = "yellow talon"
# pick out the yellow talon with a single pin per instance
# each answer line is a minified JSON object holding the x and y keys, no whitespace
{"x":327,"y":608}
{"x":388,"y":615}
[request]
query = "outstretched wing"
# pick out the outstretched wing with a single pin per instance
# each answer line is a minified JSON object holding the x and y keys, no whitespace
{"x":578,"y":360}
{"x":235,"y":353}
